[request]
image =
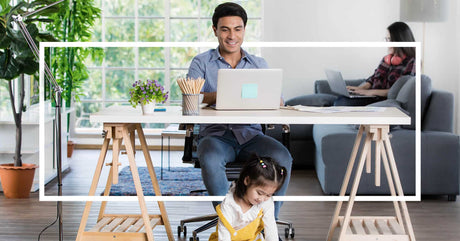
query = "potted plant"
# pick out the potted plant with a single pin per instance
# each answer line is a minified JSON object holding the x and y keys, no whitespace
{"x":147,"y":94}
{"x":16,"y":60}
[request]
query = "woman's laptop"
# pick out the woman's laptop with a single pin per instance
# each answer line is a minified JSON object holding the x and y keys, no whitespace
{"x":248,"y":89}
{"x":338,"y":85}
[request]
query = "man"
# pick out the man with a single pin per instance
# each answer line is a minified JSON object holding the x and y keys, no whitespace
{"x":220,"y":144}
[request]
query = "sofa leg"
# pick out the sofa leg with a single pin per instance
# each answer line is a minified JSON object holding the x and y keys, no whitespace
{"x":451,"y":198}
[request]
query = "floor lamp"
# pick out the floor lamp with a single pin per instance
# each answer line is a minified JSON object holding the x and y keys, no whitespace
{"x":58,"y":99}
{"x":423,"y":11}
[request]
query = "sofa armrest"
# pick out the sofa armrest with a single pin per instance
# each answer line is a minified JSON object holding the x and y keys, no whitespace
{"x":322,"y":86}
{"x":313,"y":100}
{"x":439,"y":115}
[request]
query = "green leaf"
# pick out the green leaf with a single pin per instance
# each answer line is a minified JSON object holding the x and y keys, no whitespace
{"x":9,"y":68}
{"x":4,"y":39}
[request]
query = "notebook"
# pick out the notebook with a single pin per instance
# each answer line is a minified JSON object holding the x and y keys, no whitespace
{"x":248,"y":89}
{"x":338,"y":85}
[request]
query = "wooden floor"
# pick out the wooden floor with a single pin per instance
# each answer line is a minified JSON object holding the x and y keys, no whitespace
{"x":434,"y":218}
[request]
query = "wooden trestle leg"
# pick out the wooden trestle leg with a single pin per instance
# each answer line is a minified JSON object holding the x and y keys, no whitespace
{"x":398,"y":227}
{"x":124,"y":226}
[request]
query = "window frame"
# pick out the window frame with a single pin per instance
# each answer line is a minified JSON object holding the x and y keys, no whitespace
{"x":104,"y":101}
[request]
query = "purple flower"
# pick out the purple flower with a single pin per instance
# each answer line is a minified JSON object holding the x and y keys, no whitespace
{"x":144,"y":92}
{"x":142,"y":87}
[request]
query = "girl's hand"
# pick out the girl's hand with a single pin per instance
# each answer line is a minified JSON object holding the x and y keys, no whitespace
{"x":360,"y":91}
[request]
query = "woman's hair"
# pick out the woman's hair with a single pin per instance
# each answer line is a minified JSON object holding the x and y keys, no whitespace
{"x":400,"y":32}
{"x":260,"y":171}
{"x":229,"y":9}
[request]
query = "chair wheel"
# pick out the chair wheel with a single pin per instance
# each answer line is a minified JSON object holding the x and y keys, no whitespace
{"x":196,"y":239}
{"x":289,"y":232}
{"x":181,"y":230}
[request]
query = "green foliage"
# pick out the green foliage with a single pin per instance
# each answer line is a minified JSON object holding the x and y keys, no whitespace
{"x":16,"y":57}
{"x":73,"y":23}
{"x":144,"y":92}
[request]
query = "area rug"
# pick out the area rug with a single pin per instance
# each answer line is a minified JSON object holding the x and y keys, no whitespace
{"x":178,"y":181}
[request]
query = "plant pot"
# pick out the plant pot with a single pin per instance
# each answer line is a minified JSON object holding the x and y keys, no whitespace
{"x":70,"y":146}
{"x":148,"y":108}
{"x":17,"y":181}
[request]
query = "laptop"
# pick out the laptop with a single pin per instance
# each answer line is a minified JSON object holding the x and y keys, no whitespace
{"x":248,"y":89}
{"x":338,"y":85}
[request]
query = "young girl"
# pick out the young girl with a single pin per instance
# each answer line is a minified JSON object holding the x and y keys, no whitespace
{"x":248,"y":207}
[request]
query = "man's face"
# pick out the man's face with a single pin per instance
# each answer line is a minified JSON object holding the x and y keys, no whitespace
{"x":230,"y":34}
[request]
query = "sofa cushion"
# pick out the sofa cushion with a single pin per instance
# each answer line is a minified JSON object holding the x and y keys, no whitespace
{"x":406,"y":96}
{"x":396,"y":87}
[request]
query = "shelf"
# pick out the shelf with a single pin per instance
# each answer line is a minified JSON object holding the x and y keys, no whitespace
{"x":382,"y":228}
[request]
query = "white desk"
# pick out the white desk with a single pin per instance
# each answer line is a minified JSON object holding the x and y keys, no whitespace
{"x":173,"y":114}
{"x":374,"y":124}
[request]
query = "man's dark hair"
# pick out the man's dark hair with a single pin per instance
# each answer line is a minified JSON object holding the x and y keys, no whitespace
{"x":229,"y":9}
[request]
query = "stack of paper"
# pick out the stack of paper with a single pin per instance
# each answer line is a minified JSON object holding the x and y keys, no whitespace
{"x":335,"y":109}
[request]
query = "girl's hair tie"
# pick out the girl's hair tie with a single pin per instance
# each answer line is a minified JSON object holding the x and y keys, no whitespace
{"x":263,"y":164}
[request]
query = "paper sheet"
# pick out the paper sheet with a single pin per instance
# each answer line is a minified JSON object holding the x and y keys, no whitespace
{"x":335,"y":109}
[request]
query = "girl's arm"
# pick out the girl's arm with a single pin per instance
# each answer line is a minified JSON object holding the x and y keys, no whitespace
{"x":270,"y":228}
{"x":223,"y":233}
{"x":228,"y":212}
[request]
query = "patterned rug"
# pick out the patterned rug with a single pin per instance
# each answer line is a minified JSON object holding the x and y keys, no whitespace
{"x":178,"y":181}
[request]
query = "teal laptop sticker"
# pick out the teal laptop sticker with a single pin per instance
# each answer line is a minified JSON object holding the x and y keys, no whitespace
{"x":249,"y":91}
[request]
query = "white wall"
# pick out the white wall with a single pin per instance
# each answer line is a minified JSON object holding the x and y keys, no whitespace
{"x":357,"y":21}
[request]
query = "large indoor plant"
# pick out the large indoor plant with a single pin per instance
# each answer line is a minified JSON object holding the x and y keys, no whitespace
{"x":16,"y":60}
{"x":73,"y":23}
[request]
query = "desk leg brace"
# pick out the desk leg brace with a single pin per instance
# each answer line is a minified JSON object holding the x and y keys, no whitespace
{"x":372,"y":228}
{"x":124,"y":226}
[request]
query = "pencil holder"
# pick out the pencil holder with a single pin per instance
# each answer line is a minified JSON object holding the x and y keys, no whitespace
{"x":190,"y":104}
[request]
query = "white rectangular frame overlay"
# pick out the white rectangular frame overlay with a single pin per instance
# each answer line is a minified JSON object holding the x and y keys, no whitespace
{"x":43,"y":45}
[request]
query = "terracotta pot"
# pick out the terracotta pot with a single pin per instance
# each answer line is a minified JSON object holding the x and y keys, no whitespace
{"x":70,"y":146}
{"x":17,"y":181}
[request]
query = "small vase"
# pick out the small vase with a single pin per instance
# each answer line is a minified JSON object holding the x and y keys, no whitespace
{"x":148,"y":108}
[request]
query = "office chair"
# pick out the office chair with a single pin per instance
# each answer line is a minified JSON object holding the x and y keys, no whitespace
{"x":232,"y":170}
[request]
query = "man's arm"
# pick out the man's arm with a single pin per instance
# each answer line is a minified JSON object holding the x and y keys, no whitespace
{"x":196,"y":71}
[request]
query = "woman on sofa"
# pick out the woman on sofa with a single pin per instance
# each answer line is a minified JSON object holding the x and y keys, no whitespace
{"x":399,"y":61}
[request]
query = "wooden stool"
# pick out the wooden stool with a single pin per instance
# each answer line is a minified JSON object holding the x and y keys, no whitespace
{"x":124,"y":226}
{"x":378,"y":227}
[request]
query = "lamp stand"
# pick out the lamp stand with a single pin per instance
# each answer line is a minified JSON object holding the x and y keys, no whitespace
{"x":58,"y":99}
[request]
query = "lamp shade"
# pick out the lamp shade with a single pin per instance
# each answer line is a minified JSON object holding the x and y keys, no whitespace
{"x":423,"y":10}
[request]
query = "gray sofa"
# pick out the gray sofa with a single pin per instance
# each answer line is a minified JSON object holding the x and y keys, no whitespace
{"x":328,"y":147}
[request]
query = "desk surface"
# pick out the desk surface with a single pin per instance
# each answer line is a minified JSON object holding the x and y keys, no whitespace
{"x":173,"y":114}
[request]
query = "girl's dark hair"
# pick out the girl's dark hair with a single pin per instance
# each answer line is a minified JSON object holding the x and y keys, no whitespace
{"x":400,"y":32}
{"x":229,"y":9}
{"x":260,"y":171}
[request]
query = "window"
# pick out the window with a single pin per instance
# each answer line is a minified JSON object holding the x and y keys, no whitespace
{"x":150,"y":21}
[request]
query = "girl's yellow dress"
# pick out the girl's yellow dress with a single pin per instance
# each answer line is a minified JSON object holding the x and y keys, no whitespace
{"x":248,"y":233}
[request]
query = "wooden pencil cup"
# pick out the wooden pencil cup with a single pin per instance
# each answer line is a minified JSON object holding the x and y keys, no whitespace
{"x":190,"y":104}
